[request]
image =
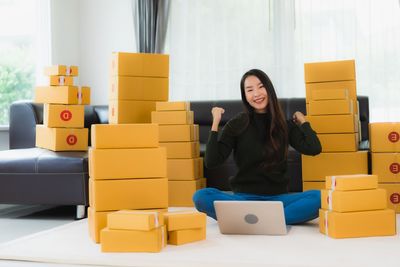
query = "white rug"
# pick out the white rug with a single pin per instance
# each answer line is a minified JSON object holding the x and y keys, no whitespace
{"x":303,"y":246}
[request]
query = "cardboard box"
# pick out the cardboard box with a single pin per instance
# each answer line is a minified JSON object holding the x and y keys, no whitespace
{"x":180,"y":193}
{"x":331,"y":90}
{"x":331,"y":107}
{"x":181,"y":237}
{"x":357,"y":224}
{"x":130,"y":111}
{"x":63,"y":116}
{"x":201,"y":166}
{"x":179,"y":133}
{"x":316,"y":168}
{"x":61,"y":80}
{"x":124,"y":135}
{"x":392,"y":195}
{"x":343,"y":70}
{"x":351,"y":182}
{"x":181,"y":220}
{"x":357,"y":200}
{"x":62,"y":139}
{"x":127,"y":163}
{"x":140,"y":64}
{"x":203,"y":182}
{"x":181,"y":150}
{"x":184,"y":169}
{"x":138,"y":88}
{"x":386,"y":166}
{"x":385,"y":136}
{"x":106,"y":195}
{"x":97,"y":220}
{"x":173,"y":106}
{"x":71,"y":95}
{"x":313,"y":185}
{"x":135,"y":220}
{"x":132,"y":240}
{"x":61,"y":70}
{"x":347,"y":142}
{"x":334,"y":123}
{"x":172,"y":117}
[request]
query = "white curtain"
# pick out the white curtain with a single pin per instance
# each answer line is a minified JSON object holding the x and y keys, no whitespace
{"x":213,"y":42}
{"x":42,"y":40}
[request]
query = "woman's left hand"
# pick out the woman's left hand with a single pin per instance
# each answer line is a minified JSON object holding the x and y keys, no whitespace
{"x":299,"y":118}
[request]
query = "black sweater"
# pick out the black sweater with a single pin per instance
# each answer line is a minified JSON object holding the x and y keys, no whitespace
{"x":248,"y":145}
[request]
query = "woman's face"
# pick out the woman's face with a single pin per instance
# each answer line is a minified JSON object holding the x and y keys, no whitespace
{"x":256,"y":94}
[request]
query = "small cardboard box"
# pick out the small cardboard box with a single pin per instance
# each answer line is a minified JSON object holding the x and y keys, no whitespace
{"x":140,"y":64}
{"x":331,"y":107}
{"x":181,"y":220}
{"x":347,"y":142}
{"x":357,"y":224}
{"x":127,"y":163}
{"x":124,"y":135}
{"x":343,"y":70}
{"x":314,"y":185}
{"x":179,"y":133}
{"x":173,"y":106}
{"x":181,"y":150}
{"x":351,"y":182}
{"x":180,"y":193}
{"x":61,"y":70}
{"x":316,"y":168}
{"x":184,"y":169}
{"x":130,"y":111}
{"x":172,"y":117}
{"x":181,"y":237}
{"x":334,"y":123}
{"x":135,"y":220}
{"x":97,"y":221}
{"x":106,"y":195}
{"x":357,"y":200}
{"x":63,"y":116}
{"x":386,"y":166}
{"x":392,"y":195}
{"x":133,"y":240}
{"x":70,"y":95}
{"x":385,"y":136}
{"x":61,"y":80}
{"x":62,"y":139}
{"x":328,"y":90}
{"x":138,"y":88}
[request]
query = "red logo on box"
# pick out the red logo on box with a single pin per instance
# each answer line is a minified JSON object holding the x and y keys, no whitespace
{"x":393,"y":137}
{"x":395,"y":198}
{"x":394,"y":168}
{"x":72,"y":139}
{"x":66,"y":115}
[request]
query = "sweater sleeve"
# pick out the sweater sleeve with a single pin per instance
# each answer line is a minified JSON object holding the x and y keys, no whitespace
{"x":304,"y":139}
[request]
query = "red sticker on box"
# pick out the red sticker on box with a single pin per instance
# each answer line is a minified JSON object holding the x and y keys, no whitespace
{"x":72,"y":139}
{"x":395,"y":198}
{"x":393,"y":137}
{"x":394,"y":168}
{"x":66,"y":115}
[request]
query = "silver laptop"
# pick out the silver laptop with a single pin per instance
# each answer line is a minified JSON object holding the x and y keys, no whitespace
{"x":251,"y":217}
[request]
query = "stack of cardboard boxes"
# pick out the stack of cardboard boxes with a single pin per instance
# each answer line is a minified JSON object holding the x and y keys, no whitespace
{"x":63,"y":111}
{"x":353,"y":206}
{"x":385,"y":148}
{"x":180,"y":137}
{"x":185,"y":227}
{"x":332,"y":111}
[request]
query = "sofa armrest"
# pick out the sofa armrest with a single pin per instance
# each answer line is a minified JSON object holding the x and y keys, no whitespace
{"x":24,"y":115}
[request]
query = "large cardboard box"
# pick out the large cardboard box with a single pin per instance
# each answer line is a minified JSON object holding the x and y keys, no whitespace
{"x":179,"y":133}
{"x":106,"y":195}
{"x":357,"y":200}
{"x":140,"y":64}
{"x":127,"y":163}
{"x":63,"y":116}
{"x":386,"y":166}
{"x":331,"y":107}
{"x":316,"y":168}
{"x":181,"y":150}
{"x":347,"y":142}
{"x":173,"y":106}
{"x":59,"y":70}
{"x":392,"y":195}
{"x":71,"y":95}
{"x":325,"y":124}
{"x":351,"y":182}
{"x":172,"y":117}
{"x":97,"y":220}
{"x":124,"y":135}
{"x":130,"y":111}
{"x":133,"y":240}
{"x":343,"y":70}
{"x":181,"y":237}
{"x":184,"y":169}
{"x":135,"y":220}
{"x":138,"y":88}
{"x":180,"y":220}
{"x":331,"y":90}
{"x":384,"y":136}
{"x":357,"y":224}
{"x":62,"y":139}
{"x":314,"y":185}
{"x":181,"y":192}
{"x":61,"y":80}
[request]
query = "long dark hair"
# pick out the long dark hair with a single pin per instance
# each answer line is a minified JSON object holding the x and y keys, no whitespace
{"x":276,"y":147}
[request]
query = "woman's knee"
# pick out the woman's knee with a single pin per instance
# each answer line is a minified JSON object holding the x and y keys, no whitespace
{"x":202,"y":196}
{"x":315,"y":195}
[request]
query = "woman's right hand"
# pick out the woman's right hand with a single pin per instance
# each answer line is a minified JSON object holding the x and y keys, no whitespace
{"x":217,"y":115}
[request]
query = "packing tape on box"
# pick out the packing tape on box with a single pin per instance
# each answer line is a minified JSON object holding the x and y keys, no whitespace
{"x":68,"y":71}
{"x":61,"y":80}
{"x":333,"y":182}
{"x":326,"y":222}
{"x":330,"y":199}
{"x":80,"y":96}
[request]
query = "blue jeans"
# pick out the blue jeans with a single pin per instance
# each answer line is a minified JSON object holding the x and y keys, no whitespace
{"x":298,"y":207}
